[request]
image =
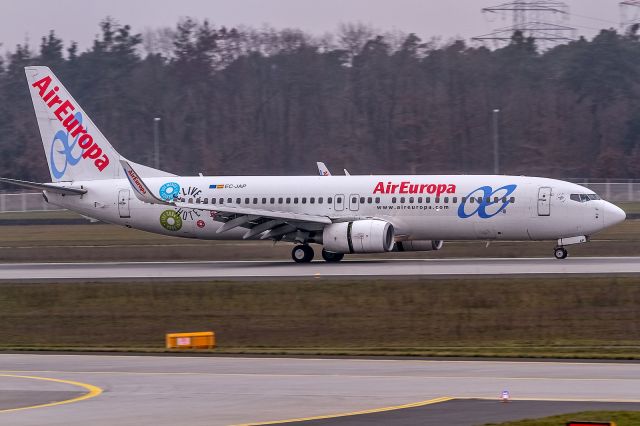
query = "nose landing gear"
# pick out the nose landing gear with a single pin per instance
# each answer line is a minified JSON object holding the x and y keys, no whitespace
{"x":302,"y":253}
{"x":560,"y":253}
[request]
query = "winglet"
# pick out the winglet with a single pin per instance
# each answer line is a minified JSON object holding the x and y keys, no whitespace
{"x":322,"y":169}
{"x":140,"y":189}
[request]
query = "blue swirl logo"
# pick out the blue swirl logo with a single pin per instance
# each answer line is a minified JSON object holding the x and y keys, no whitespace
{"x":60,"y":144}
{"x":489,"y":202}
{"x":169,"y":191}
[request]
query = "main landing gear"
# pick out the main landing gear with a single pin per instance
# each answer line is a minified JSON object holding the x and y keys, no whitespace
{"x":560,"y":253}
{"x":302,"y":253}
{"x":330,"y":256}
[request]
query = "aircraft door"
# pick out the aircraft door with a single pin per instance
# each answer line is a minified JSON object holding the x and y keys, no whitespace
{"x":339,"y":202}
{"x":123,"y":203}
{"x":544,"y":201}
{"x":354,"y":202}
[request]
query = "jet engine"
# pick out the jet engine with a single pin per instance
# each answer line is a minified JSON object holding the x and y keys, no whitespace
{"x":360,"y":236}
{"x":419,"y":245}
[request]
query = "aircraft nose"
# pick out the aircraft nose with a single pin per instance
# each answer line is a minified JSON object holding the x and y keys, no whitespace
{"x":613,"y":215}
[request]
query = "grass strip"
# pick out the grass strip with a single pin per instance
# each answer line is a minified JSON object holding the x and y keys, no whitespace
{"x":621,"y":418}
{"x":597,"y":317}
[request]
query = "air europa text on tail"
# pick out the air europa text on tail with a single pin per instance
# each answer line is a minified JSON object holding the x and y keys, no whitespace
{"x":63,"y":112}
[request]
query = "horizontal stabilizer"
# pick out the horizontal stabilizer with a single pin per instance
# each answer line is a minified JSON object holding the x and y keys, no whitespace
{"x":140,"y":189}
{"x":49,"y":187}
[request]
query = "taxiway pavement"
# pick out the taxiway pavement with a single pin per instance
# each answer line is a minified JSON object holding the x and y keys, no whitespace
{"x":169,"y":390}
{"x":355,"y":268}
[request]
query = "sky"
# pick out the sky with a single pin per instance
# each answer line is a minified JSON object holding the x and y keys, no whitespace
{"x":78,"y":20}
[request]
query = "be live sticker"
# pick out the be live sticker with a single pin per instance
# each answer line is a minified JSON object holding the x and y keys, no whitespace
{"x":200,"y":223}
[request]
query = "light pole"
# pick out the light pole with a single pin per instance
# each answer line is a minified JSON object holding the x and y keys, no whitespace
{"x":156,"y":143}
{"x":496,"y":142}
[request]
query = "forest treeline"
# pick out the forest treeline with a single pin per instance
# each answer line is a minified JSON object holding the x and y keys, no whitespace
{"x":266,"y":101}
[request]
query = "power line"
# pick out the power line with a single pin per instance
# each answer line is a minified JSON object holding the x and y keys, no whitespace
{"x":538,"y":19}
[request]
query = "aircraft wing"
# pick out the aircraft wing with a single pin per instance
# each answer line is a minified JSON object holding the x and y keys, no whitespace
{"x":270,"y":223}
{"x":50,"y":187}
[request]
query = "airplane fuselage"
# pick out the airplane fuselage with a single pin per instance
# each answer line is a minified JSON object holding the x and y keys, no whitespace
{"x":420,"y":207}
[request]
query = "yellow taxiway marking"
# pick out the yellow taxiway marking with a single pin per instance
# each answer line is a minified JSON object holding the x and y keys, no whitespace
{"x":93,"y":391}
{"x":353,"y":413}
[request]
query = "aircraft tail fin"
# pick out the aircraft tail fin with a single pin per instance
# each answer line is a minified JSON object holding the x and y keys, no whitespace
{"x":74,"y":146}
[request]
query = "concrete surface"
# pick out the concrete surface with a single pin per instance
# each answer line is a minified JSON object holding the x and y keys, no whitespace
{"x":357,"y":268}
{"x":153,"y":390}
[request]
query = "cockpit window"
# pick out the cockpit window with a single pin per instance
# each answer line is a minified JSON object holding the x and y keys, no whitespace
{"x":583,"y":198}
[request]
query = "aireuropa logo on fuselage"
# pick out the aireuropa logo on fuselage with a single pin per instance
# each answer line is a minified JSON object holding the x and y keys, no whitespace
{"x":485,"y":201}
{"x":73,"y":124}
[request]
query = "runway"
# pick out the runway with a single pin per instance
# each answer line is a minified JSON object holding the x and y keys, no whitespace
{"x":152,"y":390}
{"x":356,"y":268}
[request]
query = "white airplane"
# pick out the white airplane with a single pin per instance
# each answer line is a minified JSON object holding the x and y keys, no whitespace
{"x":346,"y":214}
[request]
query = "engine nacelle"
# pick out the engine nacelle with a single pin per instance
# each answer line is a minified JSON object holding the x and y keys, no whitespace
{"x":419,"y":245}
{"x":360,"y":236}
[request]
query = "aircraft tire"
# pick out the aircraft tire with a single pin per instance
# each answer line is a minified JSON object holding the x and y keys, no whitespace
{"x":330,"y":256}
{"x":302,"y":253}
{"x":560,"y":253}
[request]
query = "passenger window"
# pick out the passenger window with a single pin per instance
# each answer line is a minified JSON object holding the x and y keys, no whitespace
{"x":264,"y":201}
{"x":238,"y":201}
{"x":190,"y":200}
{"x":221,"y":200}
{"x":338,"y":200}
{"x":361,"y":200}
{"x":369,"y":200}
{"x":419,"y":200}
{"x":320,"y":200}
{"x":213,"y":201}
{"x":288,"y":200}
{"x":246,"y":201}
{"x":205,"y":200}
{"x":377,"y":200}
{"x":504,"y":199}
{"x":312,"y":200}
{"x":479,"y":200}
{"x":354,"y":200}
{"x":255,"y":201}
{"x":512,"y":199}
{"x":329,"y":200}
{"x":455,"y":200}
{"x":446,"y":199}
{"x":272,"y":200}
{"x":280,"y":200}
{"x":304,"y":200}
{"x":402,"y":200}
{"x":411,"y":200}
{"x":488,"y":200}
{"x":472,"y":200}
{"x":427,"y":200}
{"x":295,"y":200}
{"x":437,"y":199}
{"x":393,"y":200}
{"x":197,"y":200}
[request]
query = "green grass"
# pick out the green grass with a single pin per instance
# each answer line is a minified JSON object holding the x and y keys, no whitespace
{"x":533,"y":317}
{"x":621,"y":418}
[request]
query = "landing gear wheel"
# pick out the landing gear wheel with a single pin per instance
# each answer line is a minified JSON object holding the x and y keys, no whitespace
{"x":330,"y":256}
{"x":302,"y":253}
{"x":560,"y":253}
